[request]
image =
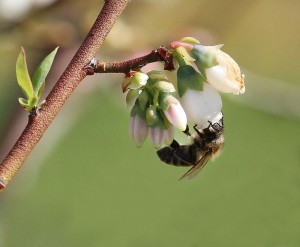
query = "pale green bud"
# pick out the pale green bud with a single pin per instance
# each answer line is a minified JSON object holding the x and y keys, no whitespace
{"x":164,"y":86}
{"x":136,"y":81}
{"x":152,"y":116}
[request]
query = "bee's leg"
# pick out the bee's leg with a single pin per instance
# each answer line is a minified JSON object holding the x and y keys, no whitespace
{"x":187,"y":131}
{"x":197,"y":131}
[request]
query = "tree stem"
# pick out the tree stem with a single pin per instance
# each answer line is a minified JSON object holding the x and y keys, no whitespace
{"x":69,"y":80}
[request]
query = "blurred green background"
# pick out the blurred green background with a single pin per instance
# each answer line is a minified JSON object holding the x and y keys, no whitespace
{"x":86,"y":184}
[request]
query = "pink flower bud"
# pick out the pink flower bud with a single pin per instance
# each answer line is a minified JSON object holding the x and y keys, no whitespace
{"x":158,"y":136}
{"x":175,"y":114}
{"x":138,"y":130}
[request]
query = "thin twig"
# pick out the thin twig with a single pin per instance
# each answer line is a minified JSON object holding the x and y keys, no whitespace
{"x":160,"y":54}
{"x":72,"y":76}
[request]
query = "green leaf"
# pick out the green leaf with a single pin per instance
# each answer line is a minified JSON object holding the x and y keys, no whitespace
{"x":23,"y":102}
{"x":39,"y":105}
{"x":188,"y":77}
{"x":42,"y":71}
{"x":23,"y":77}
{"x":41,"y":90}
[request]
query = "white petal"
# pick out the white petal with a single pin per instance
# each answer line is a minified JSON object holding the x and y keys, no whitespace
{"x":226,"y":77}
{"x":217,"y":77}
{"x":202,"y":106}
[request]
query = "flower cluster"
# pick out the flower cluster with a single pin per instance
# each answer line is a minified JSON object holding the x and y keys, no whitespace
{"x":154,"y":109}
{"x":203,"y":72}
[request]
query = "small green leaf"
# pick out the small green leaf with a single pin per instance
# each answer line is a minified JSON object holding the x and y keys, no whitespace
{"x":42,"y":71}
{"x":184,"y":53}
{"x":188,"y":77}
{"x":39,"y":105}
{"x":23,"y":102}
{"x":23,"y":77}
{"x":41,"y":90}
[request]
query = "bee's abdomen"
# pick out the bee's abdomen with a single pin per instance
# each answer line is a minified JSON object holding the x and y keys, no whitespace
{"x":167,"y":155}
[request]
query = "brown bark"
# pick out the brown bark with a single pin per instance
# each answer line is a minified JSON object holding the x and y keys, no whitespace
{"x":72,"y":76}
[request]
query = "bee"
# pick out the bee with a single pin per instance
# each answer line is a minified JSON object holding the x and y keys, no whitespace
{"x":206,"y":144}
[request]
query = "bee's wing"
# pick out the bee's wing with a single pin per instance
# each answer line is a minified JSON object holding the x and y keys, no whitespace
{"x":191,"y":173}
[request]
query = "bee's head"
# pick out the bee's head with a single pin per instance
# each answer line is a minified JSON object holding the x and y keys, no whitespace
{"x":216,"y":127}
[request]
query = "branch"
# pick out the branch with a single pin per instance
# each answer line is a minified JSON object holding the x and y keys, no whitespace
{"x":70,"y":79}
{"x":160,"y":54}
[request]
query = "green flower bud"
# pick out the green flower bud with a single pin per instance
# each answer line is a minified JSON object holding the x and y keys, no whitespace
{"x":156,"y":75}
{"x":164,"y":86}
{"x":152,"y":116}
{"x":135,"y":81}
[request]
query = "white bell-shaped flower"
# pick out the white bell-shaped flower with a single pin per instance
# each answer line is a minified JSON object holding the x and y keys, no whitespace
{"x":202,"y":106}
{"x":220,"y":70}
{"x":226,"y":77}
